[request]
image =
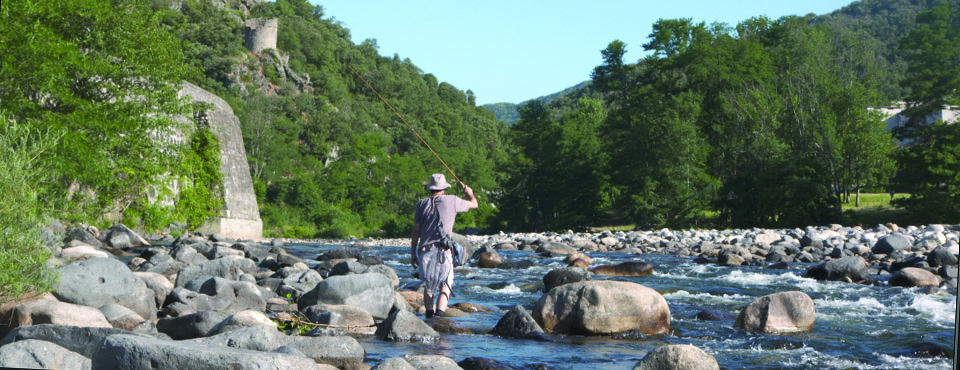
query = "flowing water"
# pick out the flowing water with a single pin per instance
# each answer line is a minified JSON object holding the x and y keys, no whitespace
{"x":857,"y":326}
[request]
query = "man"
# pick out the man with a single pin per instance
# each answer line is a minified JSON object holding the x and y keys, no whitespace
{"x":435,"y":214}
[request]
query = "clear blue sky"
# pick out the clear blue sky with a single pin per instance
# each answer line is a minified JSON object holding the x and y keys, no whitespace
{"x":513,"y":51}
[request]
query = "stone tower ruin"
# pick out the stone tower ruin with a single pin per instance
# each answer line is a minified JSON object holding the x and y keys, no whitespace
{"x":260,"y":34}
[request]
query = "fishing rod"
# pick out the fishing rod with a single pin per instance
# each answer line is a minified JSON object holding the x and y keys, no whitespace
{"x":408,"y":125}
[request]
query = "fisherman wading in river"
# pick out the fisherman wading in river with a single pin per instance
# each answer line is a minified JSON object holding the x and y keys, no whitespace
{"x":435,"y":214}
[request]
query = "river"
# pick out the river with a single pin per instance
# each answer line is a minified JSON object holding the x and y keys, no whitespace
{"x":857,"y":326}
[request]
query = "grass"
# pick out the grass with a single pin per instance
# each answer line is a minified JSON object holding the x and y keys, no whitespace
{"x":875,"y":209}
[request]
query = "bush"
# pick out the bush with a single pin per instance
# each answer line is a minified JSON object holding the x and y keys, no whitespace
{"x":22,"y":251}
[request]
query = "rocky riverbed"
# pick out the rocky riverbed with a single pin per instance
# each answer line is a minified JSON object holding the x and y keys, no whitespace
{"x":209,"y":302}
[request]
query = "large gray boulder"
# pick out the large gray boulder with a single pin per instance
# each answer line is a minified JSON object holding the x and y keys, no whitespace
{"x":677,"y":357}
{"x":45,"y":311}
{"x":602,"y":307}
{"x":98,"y":281}
{"x":229,"y":268}
{"x":82,"y":340}
{"x":132,"y":352}
{"x":784,"y":312}
{"x":404,"y":326}
{"x":38,"y":354}
{"x":517,"y":323}
{"x":942,"y":256}
{"x":340,"y":351}
{"x":852,"y":269}
{"x":371,"y":291}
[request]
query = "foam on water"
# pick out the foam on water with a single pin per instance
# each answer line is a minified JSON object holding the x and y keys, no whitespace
{"x":938,"y":310}
{"x":683,"y":295}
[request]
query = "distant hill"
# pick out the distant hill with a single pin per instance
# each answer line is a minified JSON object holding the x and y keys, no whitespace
{"x":883,"y":24}
{"x":507,"y":112}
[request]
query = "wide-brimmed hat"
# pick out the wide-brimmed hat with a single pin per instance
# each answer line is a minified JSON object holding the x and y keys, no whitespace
{"x":437,"y":182}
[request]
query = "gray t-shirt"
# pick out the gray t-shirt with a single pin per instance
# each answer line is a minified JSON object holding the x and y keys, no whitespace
{"x":448,"y":207}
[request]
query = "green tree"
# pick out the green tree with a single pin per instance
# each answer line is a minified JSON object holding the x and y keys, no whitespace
{"x":933,"y":57}
{"x":78,"y":67}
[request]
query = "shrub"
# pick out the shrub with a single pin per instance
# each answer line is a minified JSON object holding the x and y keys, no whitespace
{"x":22,"y":251}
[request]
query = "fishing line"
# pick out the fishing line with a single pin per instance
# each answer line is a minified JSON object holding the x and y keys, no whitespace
{"x":408,"y":125}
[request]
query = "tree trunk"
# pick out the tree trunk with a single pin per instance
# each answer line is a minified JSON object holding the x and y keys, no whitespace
{"x":858,"y":197}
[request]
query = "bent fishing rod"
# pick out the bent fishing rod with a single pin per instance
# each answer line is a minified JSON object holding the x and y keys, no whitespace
{"x":408,"y":125}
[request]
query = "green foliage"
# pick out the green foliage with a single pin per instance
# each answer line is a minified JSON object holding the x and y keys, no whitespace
{"x":23,"y":180}
{"x":80,"y":67}
{"x":930,"y":171}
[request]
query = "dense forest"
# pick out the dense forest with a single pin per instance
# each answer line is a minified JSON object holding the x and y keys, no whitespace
{"x":763,"y":123}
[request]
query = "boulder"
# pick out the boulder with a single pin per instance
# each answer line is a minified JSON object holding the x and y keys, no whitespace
{"x":340,"y":253}
{"x":784,"y":312}
{"x":371,"y":291}
{"x":348,"y":268}
{"x":159,"y":284}
{"x":82,"y":340}
{"x":242,"y":319}
{"x":84,"y":236}
{"x":517,"y":265}
{"x":677,"y":357}
{"x":98,"y":281}
{"x":516,"y":323}
{"x":578,"y":256}
{"x":256,"y":338}
{"x":340,"y":351}
{"x":556,"y":248}
{"x":445,"y":325}
{"x":565,"y":275}
{"x":121,"y":237}
{"x":120,"y":317}
{"x":229,"y":268}
{"x":82,"y":252}
{"x":941,"y":256}
{"x":38,"y":354}
{"x":393,"y":363}
{"x":433,"y":362}
{"x":852,"y":269}
{"x":294,"y":285}
{"x":194,"y":325}
{"x":602,"y":307}
{"x":891,"y":244}
{"x":45,"y":311}
{"x":386,"y":271}
{"x":350,"y":315}
{"x":468,"y":307}
{"x":132,"y":352}
{"x":227,"y":295}
{"x":403,"y":326}
{"x":632,"y":268}
{"x":489,"y":259}
{"x":914,"y":277}
{"x":480,"y":363}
